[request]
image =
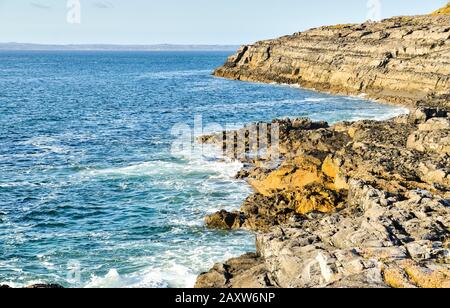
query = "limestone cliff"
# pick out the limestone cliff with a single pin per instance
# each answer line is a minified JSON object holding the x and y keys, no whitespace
{"x":401,"y":59}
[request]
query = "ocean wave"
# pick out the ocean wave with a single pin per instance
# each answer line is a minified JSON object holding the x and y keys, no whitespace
{"x":317,"y":99}
{"x":47,"y":144}
{"x":173,"y":74}
{"x":176,"y":276}
{"x":269,"y":103}
{"x":209,"y":163}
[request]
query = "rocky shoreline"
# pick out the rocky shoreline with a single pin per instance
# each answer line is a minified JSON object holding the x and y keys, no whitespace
{"x":356,"y":204}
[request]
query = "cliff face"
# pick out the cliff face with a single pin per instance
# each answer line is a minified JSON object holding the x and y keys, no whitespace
{"x":399,"y":60}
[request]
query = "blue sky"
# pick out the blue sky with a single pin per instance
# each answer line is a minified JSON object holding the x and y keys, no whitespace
{"x":184,"y":21}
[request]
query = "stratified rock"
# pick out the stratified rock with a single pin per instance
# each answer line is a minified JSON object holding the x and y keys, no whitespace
{"x":401,"y":59}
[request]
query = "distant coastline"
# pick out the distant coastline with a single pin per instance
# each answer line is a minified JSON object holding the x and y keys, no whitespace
{"x":111,"y":47}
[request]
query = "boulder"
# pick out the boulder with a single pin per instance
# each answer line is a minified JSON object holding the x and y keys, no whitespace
{"x":224,"y":220}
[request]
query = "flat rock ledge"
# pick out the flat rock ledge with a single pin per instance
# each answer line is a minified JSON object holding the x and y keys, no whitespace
{"x":356,"y":204}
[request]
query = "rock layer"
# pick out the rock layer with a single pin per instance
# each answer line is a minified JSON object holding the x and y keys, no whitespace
{"x":401,"y":59}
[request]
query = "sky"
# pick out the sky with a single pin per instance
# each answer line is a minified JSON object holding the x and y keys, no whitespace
{"x":184,"y":21}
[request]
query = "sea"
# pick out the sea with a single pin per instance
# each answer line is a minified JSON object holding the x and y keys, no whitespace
{"x":92,"y":193}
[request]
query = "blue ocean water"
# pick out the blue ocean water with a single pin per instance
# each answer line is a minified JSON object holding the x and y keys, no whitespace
{"x":90,"y":194}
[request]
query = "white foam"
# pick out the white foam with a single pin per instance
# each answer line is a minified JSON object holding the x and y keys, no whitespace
{"x":173,"y":74}
{"x":141,"y":169}
{"x":176,"y":276}
{"x":209,"y":161}
{"x":317,"y":99}
{"x":47,"y":144}
{"x":269,"y":103}
{"x":110,"y":280}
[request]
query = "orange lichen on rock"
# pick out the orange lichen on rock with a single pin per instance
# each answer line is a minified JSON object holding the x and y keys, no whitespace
{"x":318,"y":198}
{"x":427,"y":278}
{"x":304,"y":170}
{"x":312,"y":185}
{"x":444,"y":10}
{"x":409,"y":274}
{"x":396,"y":278}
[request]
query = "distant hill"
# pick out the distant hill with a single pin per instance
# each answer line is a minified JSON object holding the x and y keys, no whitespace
{"x":444,"y":10}
{"x":101,"y":47}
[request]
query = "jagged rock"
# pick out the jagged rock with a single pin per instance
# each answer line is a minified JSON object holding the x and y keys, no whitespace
{"x":437,"y":141}
{"x":319,"y":164}
{"x":423,"y":114}
{"x":224,"y":220}
{"x":387,"y":221}
{"x":435,"y":124}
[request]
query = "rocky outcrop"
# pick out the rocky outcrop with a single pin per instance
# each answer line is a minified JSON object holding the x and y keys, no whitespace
{"x":378,"y":240}
{"x":402,"y":60}
{"x":357,"y":204}
{"x":224,"y":220}
{"x":362,"y":204}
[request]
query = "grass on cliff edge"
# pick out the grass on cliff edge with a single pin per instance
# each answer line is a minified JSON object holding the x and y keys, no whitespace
{"x":444,"y":10}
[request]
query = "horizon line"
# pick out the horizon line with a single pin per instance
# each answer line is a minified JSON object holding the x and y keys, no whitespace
{"x":7,"y":45}
{"x":12,"y":46}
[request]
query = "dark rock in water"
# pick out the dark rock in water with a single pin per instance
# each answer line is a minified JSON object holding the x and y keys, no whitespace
{"x":37,"y":286}
{"x":45,"y":286}
{"x":224,"y":220}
